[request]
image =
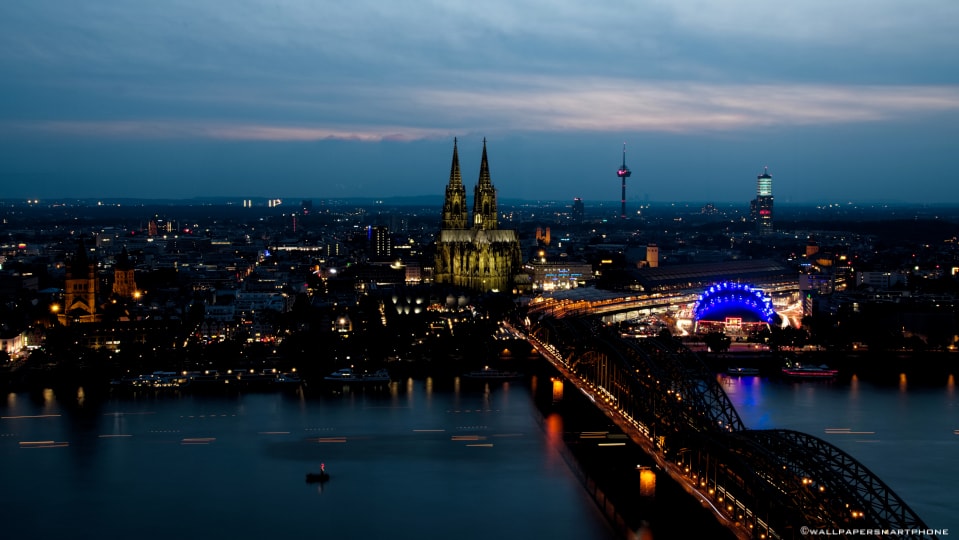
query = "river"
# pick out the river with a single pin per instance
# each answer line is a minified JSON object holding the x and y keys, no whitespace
{"x":410,"y":462}
{"x":419,"y":460}
{"x":907,"y":434}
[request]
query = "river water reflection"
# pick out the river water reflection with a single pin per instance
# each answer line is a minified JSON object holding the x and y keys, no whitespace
{"x":413,"y":462}
{"x":908,"y":435}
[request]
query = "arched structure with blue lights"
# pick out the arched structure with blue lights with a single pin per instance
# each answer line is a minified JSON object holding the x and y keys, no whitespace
{"x":730,"y":300}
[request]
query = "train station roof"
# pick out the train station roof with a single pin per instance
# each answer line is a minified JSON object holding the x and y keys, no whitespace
{"x":755,"y":271}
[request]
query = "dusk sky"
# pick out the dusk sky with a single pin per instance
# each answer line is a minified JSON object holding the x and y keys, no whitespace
{"x":843,"y":100}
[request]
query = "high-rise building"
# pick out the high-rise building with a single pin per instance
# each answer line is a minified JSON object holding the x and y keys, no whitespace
{"x":623,"y":173}
{"x":761,"y":208}
{"x":578,"y":211}
{"x":482,"y":257}
{"x":381,"y":246}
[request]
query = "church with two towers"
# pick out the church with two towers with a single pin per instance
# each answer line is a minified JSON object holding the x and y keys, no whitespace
{"x":474,"y":253}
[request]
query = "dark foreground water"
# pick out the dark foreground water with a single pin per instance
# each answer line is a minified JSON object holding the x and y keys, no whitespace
{"x":470,"y":463}
{"x":905,"y":433}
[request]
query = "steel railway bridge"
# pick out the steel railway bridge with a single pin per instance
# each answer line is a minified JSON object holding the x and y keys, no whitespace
{"x":763,"y":483}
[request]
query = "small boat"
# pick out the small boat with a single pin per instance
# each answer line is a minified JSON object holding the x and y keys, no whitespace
{"x":809,"y":372}
{"x":350,"y":376}
{"x":157,"y":379}
{"x":288,"y":379}
{"x":739,"y":371}
{"x":320,"y":477}
{"x":489,"y":374}
{"x":317,"y":478}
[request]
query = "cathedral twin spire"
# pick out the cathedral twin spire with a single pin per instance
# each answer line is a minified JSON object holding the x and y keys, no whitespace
{"x":484,"y":197}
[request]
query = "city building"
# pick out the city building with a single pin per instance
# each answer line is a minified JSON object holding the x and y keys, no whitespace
{"x":761,"y":208}
{"x":552,"y":274}
{"x":381,"y":247}
{"x":474,"y":254}
{"x":881,"y":280}
{"x":124,"y":283}
{"x":643,"y":256}
{"x":12,"y":342}
{"x":579,"y":211}
{"x":543,"y":238}
{"x":80,"y":290}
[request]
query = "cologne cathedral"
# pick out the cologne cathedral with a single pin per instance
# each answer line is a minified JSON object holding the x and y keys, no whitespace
{"x":475,"y":254}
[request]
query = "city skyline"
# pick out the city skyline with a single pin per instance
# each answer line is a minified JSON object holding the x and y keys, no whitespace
{"x":854,"y":102}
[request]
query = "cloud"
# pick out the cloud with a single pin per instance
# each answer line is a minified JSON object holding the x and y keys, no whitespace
{"x":877,"y":24}
{"x":547,"y":104}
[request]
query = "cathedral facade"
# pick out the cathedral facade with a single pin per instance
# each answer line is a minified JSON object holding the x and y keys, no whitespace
{"x":474,"y":253}
{"x":80,"y":290}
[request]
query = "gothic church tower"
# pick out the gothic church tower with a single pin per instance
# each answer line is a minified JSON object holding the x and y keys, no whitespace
{"x":124,"y":284}
{"x":454,"y":206}
{"x":80,"y":290}
{"x":484,"y":198}
{"x":482,"y":257}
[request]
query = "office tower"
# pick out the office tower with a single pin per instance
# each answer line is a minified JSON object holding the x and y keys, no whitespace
{"x":762,"y":206}
{"x":381,"y":246}
{"x":578,"y":211}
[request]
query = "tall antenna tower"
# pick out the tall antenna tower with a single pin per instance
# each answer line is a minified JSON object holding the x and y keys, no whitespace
{"x":623,"y":173}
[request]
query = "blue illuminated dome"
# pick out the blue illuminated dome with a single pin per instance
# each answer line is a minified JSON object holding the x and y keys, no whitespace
{"x":731,"y":299}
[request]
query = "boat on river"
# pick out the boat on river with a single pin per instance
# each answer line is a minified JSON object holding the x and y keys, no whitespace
{"x":739,"y":371}
{"x":347,"y":375}
{"x":318,"y":477}
{"x":314,"y":478}
{"x":490,"y":374}
{"x":799,"y":371}
{"x":155,"y":380}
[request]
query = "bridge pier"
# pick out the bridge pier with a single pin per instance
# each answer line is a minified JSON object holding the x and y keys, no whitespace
{"x":623,"y":480}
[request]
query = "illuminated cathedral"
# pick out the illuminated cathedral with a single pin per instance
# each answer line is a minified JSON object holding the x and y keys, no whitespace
{"x":475,"y":254}
{"x":80,"y":290}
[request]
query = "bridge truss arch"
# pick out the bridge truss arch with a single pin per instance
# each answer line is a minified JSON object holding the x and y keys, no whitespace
{"x":840,"y":488}
{"x":772,"y":480}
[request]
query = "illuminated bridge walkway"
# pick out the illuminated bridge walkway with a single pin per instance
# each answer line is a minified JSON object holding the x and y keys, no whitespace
{"x":762,"y":483}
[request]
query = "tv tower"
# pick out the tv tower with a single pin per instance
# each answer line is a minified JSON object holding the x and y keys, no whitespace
{"x":623,"y":173}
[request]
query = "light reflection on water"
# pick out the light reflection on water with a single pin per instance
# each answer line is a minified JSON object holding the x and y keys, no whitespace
{"x":904,"y":434}
{"x":416,"y":461}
